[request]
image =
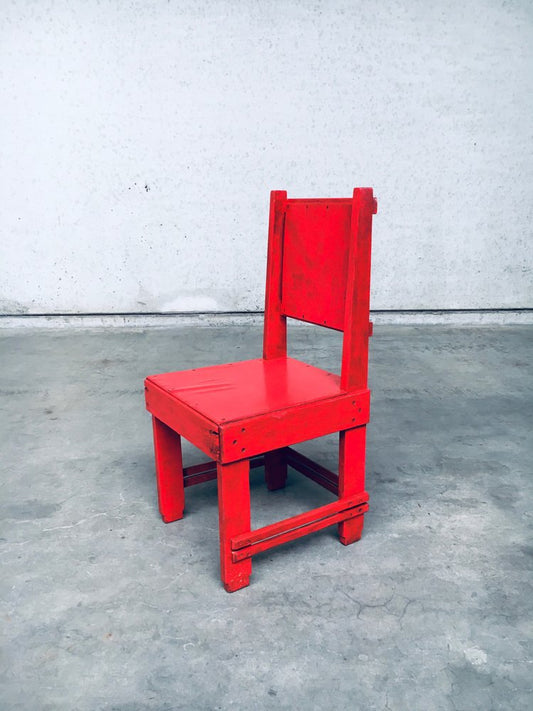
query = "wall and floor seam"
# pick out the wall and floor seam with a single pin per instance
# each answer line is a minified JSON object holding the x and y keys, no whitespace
{"x":456,"y":317}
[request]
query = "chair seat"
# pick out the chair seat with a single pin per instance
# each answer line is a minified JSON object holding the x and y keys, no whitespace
{"x":235,"y":391}
{"x":237,"y":410}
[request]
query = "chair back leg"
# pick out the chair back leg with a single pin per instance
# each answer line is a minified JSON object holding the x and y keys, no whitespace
{"x":275,"y":469}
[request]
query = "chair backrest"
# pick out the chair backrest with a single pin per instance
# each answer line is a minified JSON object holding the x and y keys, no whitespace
{"x":318,"y":270}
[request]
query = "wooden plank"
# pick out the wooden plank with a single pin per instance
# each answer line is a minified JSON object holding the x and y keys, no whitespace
{"x":346,"y":200}
{"x":312,"y":470}
{"x":232,"y":391}
{"x":354,"y":369}
{"x":207,"y":471}
{"x":351,"y":514}
{"x":245,"y":546}
{"x":234,"y":519}
{"x":273,"y":430}
{"x":294,"y":522}
{"x":199,"y":473}
{"x":275,"y":329}
{"x":315,"y":261}
{"x":199,"y":430}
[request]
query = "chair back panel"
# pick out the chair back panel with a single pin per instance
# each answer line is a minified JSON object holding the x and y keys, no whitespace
{"x":318,"y":270}
{"x":316,"y":242}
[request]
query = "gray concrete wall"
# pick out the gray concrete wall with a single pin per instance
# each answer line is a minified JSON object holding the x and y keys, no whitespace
{"x":140,"y":141}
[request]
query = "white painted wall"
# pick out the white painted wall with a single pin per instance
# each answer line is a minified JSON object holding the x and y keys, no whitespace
{"x":139,"y":142}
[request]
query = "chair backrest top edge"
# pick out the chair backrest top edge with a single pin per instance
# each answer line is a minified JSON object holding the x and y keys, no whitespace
{"x":304,"y":200}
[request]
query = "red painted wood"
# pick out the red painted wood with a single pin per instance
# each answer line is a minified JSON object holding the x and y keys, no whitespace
{"x":199,"y":473}
{"x":230,"y":392}
{"x":234,"y":411}
{"x":248,"y":544}
{"x":275,"y":331}
{"x":288,"y":524}
{"x":351,"y":478}
{"x":275,"y":469}
{"x":329,"y":201}
{"x":318,"y":270}
{"x":315,"y":261}
{"x":207,"y":471}
{"x":280,"y":428}
{"x":351,"y":514}
{"x":356,"y":325}
{"x":234,"y":520}
{"x":169,"y":471}
{"x":312,"y":470}
{"x":182,"y":418}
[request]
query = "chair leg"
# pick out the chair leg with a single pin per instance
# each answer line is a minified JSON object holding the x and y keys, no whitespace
{"x":351,"y":478}
{"x":275,"y":469}
{"x":169,"y":471}
{"x":234,"y":518}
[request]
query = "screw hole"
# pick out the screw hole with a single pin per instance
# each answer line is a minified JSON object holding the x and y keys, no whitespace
{"x":243,"y":449}
{"x":243,"y":429}
{"x":234,"y":441}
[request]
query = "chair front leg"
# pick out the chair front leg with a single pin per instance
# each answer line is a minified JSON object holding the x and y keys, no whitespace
{"x":169,"y":471}
{"x":351,"y":478}
{"x":234,"y":518}
{"x":275,"y":469}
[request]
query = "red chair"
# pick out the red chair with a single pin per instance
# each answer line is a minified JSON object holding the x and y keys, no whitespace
{"x":248,"y":414}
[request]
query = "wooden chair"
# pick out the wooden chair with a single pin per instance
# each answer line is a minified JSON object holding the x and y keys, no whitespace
{"x":248,"y":414}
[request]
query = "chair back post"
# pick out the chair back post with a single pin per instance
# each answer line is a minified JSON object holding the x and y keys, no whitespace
{"x":354,"y":370}
{"x":275,"y":328}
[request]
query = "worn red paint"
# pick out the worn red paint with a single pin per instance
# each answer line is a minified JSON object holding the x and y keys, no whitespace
{"x":247,"y":414}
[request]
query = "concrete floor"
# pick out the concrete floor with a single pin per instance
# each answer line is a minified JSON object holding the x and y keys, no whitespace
{"x":105,"y":607}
